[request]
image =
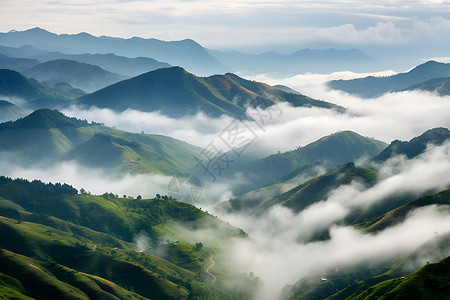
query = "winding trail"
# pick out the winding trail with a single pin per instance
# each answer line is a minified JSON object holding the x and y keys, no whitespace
{"x":214,"y":278}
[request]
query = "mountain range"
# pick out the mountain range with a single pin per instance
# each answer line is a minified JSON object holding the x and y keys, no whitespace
{"x":84,"y":76}
{"x":186,"y":53}
{"x":35,"y":94}
{"x":302,"y":61}
{"x":176,"y":93}
{"x":324,"y":154}
{"x":171,"y":91}
{"x":417,"y":78}
{"x":25,"y":57}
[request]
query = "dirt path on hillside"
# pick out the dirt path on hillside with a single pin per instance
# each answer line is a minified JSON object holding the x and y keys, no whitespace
{"x":214,"y":278}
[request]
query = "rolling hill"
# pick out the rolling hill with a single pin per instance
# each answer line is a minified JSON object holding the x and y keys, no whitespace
{"x":79,"y":75}
{"x":371,"y":86}
{"x":326,"y":153}
{"x":186,"y":53}
{"x":49,"y":136}
{"x":176,"y":93}
{"x":60,"y":244}
{"x":35,"y":94}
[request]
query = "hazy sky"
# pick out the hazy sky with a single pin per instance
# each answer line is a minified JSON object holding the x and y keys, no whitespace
{"x":227,"y":24}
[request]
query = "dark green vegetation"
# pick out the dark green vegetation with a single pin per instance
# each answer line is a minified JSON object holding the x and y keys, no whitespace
{"x":376,"y":86}
{"x":416,"y":146}
{"x":80,"y":75}
{"x":186,"y":53}
{"x":176,"y":92}
{"x":391,"y":279}
{"x":35,"y":94}
{"x":327,"y":153}
{"x":47,"y":136}
{"x":56,"y":243}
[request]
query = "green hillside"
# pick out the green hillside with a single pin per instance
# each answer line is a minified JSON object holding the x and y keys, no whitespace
{"x":318,"y":188}
{"x":48,"y":136}
{"x":36,"y":95}
{"x":376,"y":86}
{"x":80,"y":75}
{"x":327,"y":152}
{"x":430,"y":282}
{"x":176,"y":93}
{"x":415,"y":146}
{"x":57,"y":243}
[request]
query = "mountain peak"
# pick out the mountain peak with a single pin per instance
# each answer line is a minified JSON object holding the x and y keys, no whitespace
{"x":44,"y":119}
{"x":415,"y":146}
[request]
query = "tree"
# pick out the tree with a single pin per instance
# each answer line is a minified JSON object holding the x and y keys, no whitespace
{"x":139,"y":197}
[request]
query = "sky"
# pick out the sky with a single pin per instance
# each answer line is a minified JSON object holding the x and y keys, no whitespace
{"x":249,"y":24}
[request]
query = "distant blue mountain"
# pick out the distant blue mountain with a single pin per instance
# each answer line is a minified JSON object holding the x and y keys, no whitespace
{"x":376,"y":86}
{"x":306,"y":60}
{"x":186,"y":53}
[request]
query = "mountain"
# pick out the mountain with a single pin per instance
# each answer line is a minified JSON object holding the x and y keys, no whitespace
{"x":186,"y":53}
{"x":305,"y":60}
{"x":35,"y":94}
{"x":16,"y":64}
{"x":56,"y":243}
{"x":176,"y":93}
{"x":10,"y":111}
{"x":437,"y":85}
{"x":47,"y":136}
{"x":371,"y":86}
{"x":110,"y":62}
{"x":80,"y":75}
{"x":326,"y":153}
{"x":304,"y":194}
{"x":414,"y":147}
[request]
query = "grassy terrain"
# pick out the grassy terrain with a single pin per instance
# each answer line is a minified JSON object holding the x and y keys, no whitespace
{"x":327,"y":153}
{"x":86,"y":246}
{"x":49,"y":136}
